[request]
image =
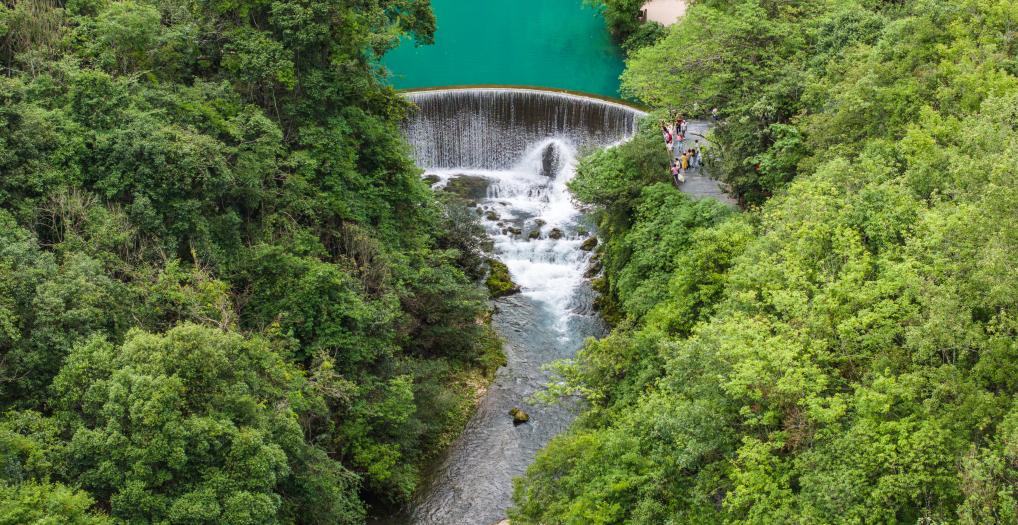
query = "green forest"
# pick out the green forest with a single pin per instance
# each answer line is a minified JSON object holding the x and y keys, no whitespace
{"x":842,"y":350}
{"x":226,"y":296}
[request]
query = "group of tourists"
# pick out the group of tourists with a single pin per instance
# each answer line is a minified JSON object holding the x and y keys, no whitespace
{"x":683,"y":158}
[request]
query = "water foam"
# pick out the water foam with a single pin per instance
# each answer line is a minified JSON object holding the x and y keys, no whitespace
{"x":524,"y":145}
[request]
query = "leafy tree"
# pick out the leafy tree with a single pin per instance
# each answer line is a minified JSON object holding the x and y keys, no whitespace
{"x":205,"y":425}
{"x":42,"y":504}
{"x":228,"y":179}
{"x":841,"y":352}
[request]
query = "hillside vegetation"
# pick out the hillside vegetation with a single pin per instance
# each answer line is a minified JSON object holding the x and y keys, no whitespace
{"x":225,"y":294}
{"x":844,"y":351}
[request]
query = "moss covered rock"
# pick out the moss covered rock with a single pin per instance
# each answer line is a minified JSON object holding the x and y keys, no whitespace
{"x":468,"y":187}
{"x":519,"y":416}
{"x":499,"y":282}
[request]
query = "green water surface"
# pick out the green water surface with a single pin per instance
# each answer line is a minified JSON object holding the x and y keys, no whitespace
{"x":547,"y":43}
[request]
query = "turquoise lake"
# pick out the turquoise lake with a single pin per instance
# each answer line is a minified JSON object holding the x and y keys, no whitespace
{"x":559,"y":44}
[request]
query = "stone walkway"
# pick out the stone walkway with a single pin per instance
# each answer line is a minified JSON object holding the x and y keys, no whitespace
{"x":697,"y":183}
{"x":666,"y":12}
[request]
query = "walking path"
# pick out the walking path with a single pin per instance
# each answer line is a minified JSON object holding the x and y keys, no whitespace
{"x":698,"y":184}
{"x":666,"y":12}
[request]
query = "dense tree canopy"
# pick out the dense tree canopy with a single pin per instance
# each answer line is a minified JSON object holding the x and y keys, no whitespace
{"x":225,"y":294}
{"x":844,"y":351}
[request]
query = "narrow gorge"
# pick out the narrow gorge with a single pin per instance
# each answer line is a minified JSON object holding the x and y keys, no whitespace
{"x":515,"y":149}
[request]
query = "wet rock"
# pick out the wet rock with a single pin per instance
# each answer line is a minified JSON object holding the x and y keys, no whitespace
{"x":589,"y":244}
{"x":431,"y":179}
{"x":534,"y":234}
{"x":515,"y":231}
{"x":550,"y":161}
{"x":539,"y":222}
{"x":593,"y":269}
{"x":555,"y":233}
{"x":519,"y":416}
{"x":491,"y":216}
{"x":468,"y":187}
{"x":499,"y":282}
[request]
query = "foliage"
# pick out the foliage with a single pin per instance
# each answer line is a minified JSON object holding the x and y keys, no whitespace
{"x":646,"y":34}
{"x":43,"y":504}
{"x":223,"y":184}
{"x":621,"y":16}
{"x":206,"y":424}
{"x":842,"y":353}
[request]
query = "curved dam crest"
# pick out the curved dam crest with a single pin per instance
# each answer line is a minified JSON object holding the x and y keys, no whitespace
{"x":515,"y":149}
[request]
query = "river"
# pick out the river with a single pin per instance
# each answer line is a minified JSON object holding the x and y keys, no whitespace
{"x":519,"y":148}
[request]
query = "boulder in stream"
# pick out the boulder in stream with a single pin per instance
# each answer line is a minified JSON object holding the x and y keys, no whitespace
{"x":550,"y":161}
{"x":519,"y":416}
{"x":499,"y":282}
{"x":469,"y":187}
{"x":534,"y":234}
{"x":589,"y":244}
{"x":555,"y":233}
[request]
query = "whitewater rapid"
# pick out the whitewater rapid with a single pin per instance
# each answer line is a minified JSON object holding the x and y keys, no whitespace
{"x":526,"y":198}
{"x":520,"y":147}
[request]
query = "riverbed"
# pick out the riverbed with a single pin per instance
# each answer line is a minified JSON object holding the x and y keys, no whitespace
{"x":516,"y":149}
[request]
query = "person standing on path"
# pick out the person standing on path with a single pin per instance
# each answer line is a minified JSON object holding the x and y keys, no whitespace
{"x":675,"y":172}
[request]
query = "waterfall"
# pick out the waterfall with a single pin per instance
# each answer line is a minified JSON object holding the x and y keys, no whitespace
{"x":520,"y":148}
{"x":492,"y":128}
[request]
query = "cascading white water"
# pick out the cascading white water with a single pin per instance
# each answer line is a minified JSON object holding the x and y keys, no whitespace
{"x":548,"y":265}
{"x":522,"y":146}
{"x":491,"y":128}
